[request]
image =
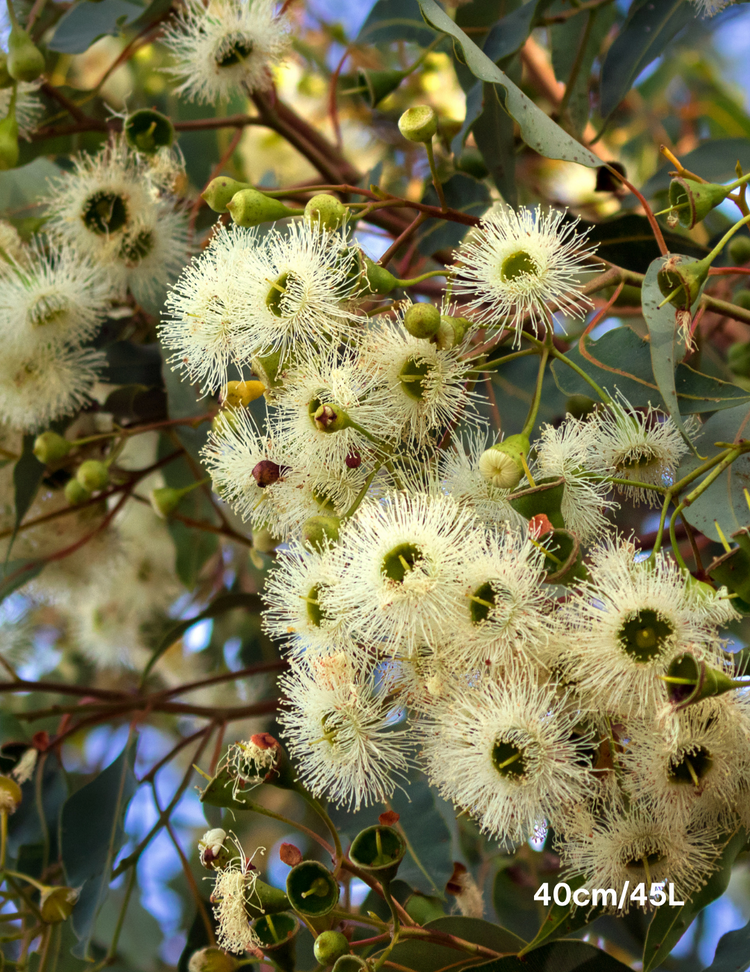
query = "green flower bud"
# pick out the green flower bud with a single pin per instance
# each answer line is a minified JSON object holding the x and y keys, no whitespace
{"x":25,"y":60}
{"x":240,"y":393}
{"x":5,"y":79}
{"x":738,"y":249}
{"x":248,"y":207}
{"x":147,"y":131}
{"x":329,"y":417}
{"x":683,"y":280}
{"x":219,"y":192}
{"x":56,"y":904}
{"x":165,"y":500}
{"x":422,"y":320}
{"x":738,"y":358}
{"x":93,"y":475}
{"x":329,"y":946}
{"x":697,"y":199}
{"x":376,"y":279}
{"x":9,"y":138}
{"x":742,"y":298}
{"x":325,"y":211}
{"x":50,"y":447}
{"x":10,"y":794}
{"x":265,"y":541}
{"x":418,"y":124}
{"x":689,"y":680}
{"x":501,"y":464}
{"x":379,"y":84}
{"x":76,"y":494}
{"x":317,"y":531}
{"x":451,"y":331}
{"x":212,"y":959}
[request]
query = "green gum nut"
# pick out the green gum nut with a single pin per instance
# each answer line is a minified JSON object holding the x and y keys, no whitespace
{"x":379,"y":84}
{"x":165,"y":500}
{"x":319,"y":531}
{"x":312,"y":890}
{"x":49,"y":447}
{"x":249,"y":207}
{"x":378,"y":851}
{"x":418,"y":124}
{"x":683,"y":280}
{"x":546,"y":497}
{"x":376,"y":279}
{"x":147,"y":131}
{"x":76,"y":494}
{"x":697,"y":199}
{"x":268,"y":369}
{"x":219,"y":192}
{"x":330,"y":946}
{"x":25,"y":60}
{"x":422,"y":320}
{"x":212,"y":959}
{"x":689,"y":680}
{"x":565,"y":565}
{"x":732,"y":570}
{"x":451,"y":331}
{"x":325,"y":211}
{"x":9,"y":140}
{"x":278,"y":939}
{"x":92,"y":475}
{"x":738,"y":249}
{"x":738,"y":357}
{"x":56,"y":904}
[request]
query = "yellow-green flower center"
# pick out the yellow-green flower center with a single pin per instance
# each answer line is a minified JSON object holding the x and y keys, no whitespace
{"x":518,"y":264}
{"x":400,"y":561}
{"x":105,"y":212}
{"x":645,"y":635}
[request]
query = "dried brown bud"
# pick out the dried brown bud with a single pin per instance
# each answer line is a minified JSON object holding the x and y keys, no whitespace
{"x":266,"y":473}
{"x":389,"y":818}
{"x":290,"y":854}
{"x":353,"y":460}
{"x":264,"y":740}
{"x":539,"y":525}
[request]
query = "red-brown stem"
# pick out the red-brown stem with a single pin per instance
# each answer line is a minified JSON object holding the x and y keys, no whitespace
{"x":420,"y":218}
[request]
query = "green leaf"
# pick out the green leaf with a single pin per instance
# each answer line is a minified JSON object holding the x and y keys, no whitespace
{"x":493,"y":134}
{"x":628,"y":241}
{"x":732,"y":952}
{"x":462,"y":193}
{"x":85,"y":23}
{"x":670,"y":923}
{"x":395,"y":20}
{"x":427,"y":956}
{"x":221,"y":604}
{"x":645,"y":35}
{"x":509,"y":34}
{"x":19,"y":188}
{"x":724,"y":499}
{"x":564,"y":956}
{"x":662,"y":329}
{"x":133,"y":364}
{"x":696,"y":392}
{"x":564,"y":919}
{"x":428,"y":863}
{"x":91,"y":834}
{"x":27,"y":477}
{"x":537,"y":129}
{"x":16,"y":573}
{"x":714,"y":161}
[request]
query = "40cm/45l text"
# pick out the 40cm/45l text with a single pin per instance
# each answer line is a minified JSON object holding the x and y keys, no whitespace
{"x":562,"y":894}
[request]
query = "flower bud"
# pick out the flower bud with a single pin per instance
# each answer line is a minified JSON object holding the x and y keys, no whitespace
{"x":317,"y":531}
{"x":329,"y":946}
{"x":290,"y":854}
{"x":422,"y":320}
{"x":350,"y":963}
{"x":10,"y":795}
{"x":213,"y":850}
{"x":9,"y":139}
{"x":147,"y":131}
{"x":330,"y":418}
{"x":353,"y":460}
{"x":379,"y":84}
{"x":25,"y":60}
{"x":241,"y":393}
{"x":267,"y":473}
{"x":739,"y":249}
{"x":376,"y":279}
{"x":50,"y":447}
{"x":165,"y":500}
{"x":325,"y":211}
{"x":696,"y":199}
{"x":249,"y":207}
{"x":268,"y":369}
{"x":265,"y":541}
{"x":738,"y":358}
{"x":212,"y":959}
{"x":76,"y":494}
{"x":501,"y":464}
{"x":682,"y":279}
{"x":451,"y":331}
{"x":93,"y":475}
{"x":418,"y":124}
{"x":56,"y":904}
{"x":220,"y":191}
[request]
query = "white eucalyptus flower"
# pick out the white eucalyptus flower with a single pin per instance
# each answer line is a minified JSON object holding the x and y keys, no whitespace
{"x":341,"y":731}
{"x":225,"y":47}
{"x":518,"y":261}
{"x":234,"y":888}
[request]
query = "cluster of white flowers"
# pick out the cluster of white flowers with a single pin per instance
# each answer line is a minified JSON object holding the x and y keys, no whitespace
{"x":417,"y":607}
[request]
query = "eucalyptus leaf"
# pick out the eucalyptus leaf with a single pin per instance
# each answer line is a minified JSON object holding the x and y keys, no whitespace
{"x":628,"y":241}
{"x":395,"y":20}
{"x":85,"y":23}
{"x":428,"y":957}
{"x":15,"y":573}
{"x":733,"y":952}
{"x":493,"y":134}
{"x":91,"y":834}
{"x":509,"y":34}
{"x":27,"y":478}
{"x":564,"y":919}
{"x":670,"y":922}
{"x":563,"y":956}
{"x":537,"y":129}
